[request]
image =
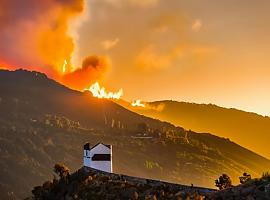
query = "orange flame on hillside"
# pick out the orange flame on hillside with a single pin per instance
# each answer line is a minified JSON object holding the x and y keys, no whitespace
{"x":64,"y":68}
{"x":101,"y":93}
{"x":137,"y":103}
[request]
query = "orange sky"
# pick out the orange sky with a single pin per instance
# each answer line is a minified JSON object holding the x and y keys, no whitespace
{"x":200,"y":51}
{"x":188,"y":50}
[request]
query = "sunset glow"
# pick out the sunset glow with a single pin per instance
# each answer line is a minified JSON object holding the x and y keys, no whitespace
{"x":184,"y":50}
{"x":137,"y":103}
{"x":173,"y":50}
{"x":172,"y":92}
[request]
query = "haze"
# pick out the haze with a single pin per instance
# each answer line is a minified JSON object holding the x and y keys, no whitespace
{"x":198,"y":51}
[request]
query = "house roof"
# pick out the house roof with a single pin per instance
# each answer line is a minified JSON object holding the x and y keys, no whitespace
{"x":107,"y":145}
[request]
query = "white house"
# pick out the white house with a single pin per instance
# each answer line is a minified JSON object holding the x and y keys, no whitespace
{"x":98,"y":157}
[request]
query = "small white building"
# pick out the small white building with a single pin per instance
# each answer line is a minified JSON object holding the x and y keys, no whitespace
{"x":98,"y":157}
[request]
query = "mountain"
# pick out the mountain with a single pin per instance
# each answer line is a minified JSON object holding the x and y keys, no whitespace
{"x":247,"y":129}
{"x":43,"y":122}
{"x":87,"y":183}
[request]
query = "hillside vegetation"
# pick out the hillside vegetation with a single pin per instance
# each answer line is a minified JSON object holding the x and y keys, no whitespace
{"x":43,"y":123}
{"x":247,"y":129}
{"x":87,"y":183}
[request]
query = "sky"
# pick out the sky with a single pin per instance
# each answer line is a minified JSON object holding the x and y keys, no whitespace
{"x":197,"y":51}
{"x":203,"y":51}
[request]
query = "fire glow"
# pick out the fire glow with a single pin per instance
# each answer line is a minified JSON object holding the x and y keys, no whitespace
{"x":137,"y":103}
{"x":64,"y":66}
{"x":100,"y":92}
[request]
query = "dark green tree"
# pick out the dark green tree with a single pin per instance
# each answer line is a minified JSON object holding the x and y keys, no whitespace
{"x":245,"y":178}
{"x":61,"y":170}
{"x":223,"y":182}
{"x":37,"y":192}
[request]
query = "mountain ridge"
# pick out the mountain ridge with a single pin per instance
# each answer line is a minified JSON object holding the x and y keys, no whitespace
{"x":43,"y":123}
{"x":248,"y":129}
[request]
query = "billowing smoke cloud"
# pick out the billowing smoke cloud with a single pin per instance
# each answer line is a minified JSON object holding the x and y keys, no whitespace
{"x":36,"y":35}
{"x":93,"y":67}
{"x":94,"y":62}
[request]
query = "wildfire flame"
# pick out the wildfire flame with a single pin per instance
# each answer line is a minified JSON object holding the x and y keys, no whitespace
{"x":64,"y":68}
{"x":100,"y":92}
{"x":137,"y":103}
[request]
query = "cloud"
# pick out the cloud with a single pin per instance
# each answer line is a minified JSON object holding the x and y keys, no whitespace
{"x":109,"y":44}
{"x":41,"y":35}
{"x":140,"y":3}
{"x":144,"y":3}
{"x":197,"y":25}
{"x":95,"y":62}
{"x":157,"y":39}
{"x":35,"y":34}
{"x":93,"y":68}
{"x":150,"y":59}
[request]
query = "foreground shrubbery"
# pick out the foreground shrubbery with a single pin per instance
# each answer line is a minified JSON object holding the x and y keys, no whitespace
{"x":258,"y":188}
{"x":91,"y":184}
{"x":223,"y":182}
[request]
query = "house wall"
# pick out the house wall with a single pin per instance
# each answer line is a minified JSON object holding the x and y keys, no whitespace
{"x":86,"y":158}
{"x":105,"y":166}
{"x":100,"y":149}
{"x":100,"y":165}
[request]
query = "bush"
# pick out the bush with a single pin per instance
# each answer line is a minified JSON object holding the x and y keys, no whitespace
{"x":245,"y":178}
{"x":37,"y":191}
{"x":223,"y":182}
{"x":266,"y":176}
{"x":61,"y":170}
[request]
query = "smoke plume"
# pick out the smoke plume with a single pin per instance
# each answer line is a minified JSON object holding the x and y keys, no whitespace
{"x":93,"y":67}
{"x":36,"y":35}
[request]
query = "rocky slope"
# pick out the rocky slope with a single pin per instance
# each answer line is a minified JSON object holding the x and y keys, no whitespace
{"x":87,"y":183}
{"x":43,"y":123}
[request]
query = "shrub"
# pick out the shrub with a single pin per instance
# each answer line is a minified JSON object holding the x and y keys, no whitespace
{"x":266,"y":176}
{"x":223,"y":182}
{"x":61,"y":170}
{"x":245,"y":178}
{"x":37,"y":191}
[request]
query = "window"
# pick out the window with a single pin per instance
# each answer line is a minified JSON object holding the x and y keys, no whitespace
{"x":101,"y":157}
